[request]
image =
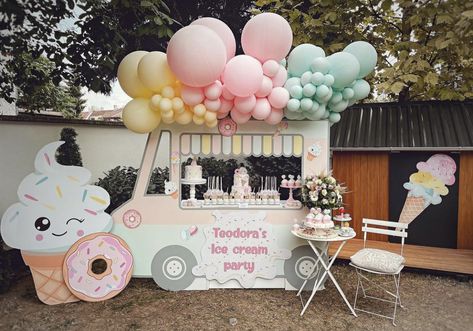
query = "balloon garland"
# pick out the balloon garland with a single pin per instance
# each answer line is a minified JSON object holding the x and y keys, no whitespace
{"x":200,"y":79}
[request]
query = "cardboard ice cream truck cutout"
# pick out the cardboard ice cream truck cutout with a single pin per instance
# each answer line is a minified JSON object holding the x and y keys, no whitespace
{"x":231,"y":246}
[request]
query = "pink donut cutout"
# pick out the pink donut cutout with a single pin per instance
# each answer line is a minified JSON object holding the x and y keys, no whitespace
{"x":227,"y":127}
{"x":132,"y":218}
{"x":90,"y":284}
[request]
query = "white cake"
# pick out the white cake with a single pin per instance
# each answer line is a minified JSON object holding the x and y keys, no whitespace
{"x":193,"y":171}
{"x":241,"y":181}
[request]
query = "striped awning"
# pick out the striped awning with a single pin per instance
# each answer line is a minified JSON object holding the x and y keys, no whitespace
{"x":244,"y":144}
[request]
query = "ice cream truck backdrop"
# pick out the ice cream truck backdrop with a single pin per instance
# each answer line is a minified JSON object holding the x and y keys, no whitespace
{"x":200,"y":246}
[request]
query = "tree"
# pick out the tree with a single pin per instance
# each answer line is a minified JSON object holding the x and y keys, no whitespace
{"x":69,"y":152}
{"x":78,"y":103}
{"x":425,"y":48}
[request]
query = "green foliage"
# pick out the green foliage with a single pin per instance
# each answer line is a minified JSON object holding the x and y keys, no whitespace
{"x":78,"y":103}
{"x":69,"y":152}
{"x":119,"y":182}
{"x":425,"y":48}
{"x":156,"y":182}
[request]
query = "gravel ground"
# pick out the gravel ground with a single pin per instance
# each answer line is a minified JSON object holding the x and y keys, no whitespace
{"x":432,"y":303}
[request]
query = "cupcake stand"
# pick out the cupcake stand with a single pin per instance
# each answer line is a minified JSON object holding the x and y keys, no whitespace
{"x":192,"y":183}
{"x":291,"y":202}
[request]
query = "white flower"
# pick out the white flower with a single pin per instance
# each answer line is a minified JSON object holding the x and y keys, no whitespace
{"x":324,"y":201}
{"x":324,"y":185}
{"x":324,"y":192}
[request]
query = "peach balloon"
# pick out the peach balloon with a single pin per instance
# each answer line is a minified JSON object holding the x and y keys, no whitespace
{"x":275,"y":117}
{"x":138,"y":116}
{"x":245,"y":105}
{"x":184,"y":118}
{"x":267,"y":36}
{"x":265,"y":88}
{"x":154,"y":71}
{"x":262,"y":109}
{"x":127,"y":75}
{"x":196,"y":55}
{"x":280,"y":78}
{"x":192,"y":95}
{"x":243,"y":75}
{"x":222,"y":30}
{"x":210,"y":116}
{"x":222,"y":115}
{"x":278,"y":97}
{"x":198,"y":120}
{"x":238,"y":117}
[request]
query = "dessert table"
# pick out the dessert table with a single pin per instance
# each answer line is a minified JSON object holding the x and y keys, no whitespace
{"x":325,"y":242}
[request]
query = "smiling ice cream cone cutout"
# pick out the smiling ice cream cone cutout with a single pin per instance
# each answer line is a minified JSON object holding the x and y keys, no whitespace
{"x":56,"y":208}
{"x":427,"y":186}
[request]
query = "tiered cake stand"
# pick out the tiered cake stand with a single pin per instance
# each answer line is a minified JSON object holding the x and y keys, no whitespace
{"x":291,"y":202}
{"x":192,"y":184}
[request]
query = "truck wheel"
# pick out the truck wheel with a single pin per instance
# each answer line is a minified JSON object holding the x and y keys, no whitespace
{"x":171,"y":268}
{"x":300,"y":265}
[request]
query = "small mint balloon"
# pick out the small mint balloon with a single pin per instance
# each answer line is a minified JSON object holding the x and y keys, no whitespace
{"x":317,"y":78}
{"x":336,"y":97}
{"x":361,"y":89}
{"x":320,"y":64}
{"x":306,"y":104}
{"x":339,"y":106}
{"x":296,"y":92}
{"x":322,"y":91}
{"x":315,"y":107}
{"x":326,"y":115}
{"x":334,"y":117}
{"x":293,"y":81}
{"x":348,"y":93}
{"x":329,"y":80}
{"x":293,"y":105}
{"x":309,"y":90}
{"x":306,"y":77}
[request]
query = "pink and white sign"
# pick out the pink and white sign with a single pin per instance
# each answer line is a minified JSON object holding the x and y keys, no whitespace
{"x":240,"y":246}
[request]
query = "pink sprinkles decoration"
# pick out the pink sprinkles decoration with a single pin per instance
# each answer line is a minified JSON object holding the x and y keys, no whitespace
{"x":90,"y":211}
{"x":30,"y":197}
{"x":47,"y":158}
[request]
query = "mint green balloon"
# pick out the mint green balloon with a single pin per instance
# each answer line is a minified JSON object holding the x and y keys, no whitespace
{"x":344,"y":67}
{"x":293,"y":81}
{"x":320,"y":64}
{"x":336,"y":97}
{"x":348,"y":93}
{"x":296,"y":92}
{"x":339,"y":106}
{"x":334,"y":117}
{"x":317,"y":78}
{"x":326,"y":115}
{"x":305,"y":78}
{"x":301,"y":58}
{"x":291,"y":115}
{"x":361,"y":89}
{"x":322,"y":91}
{"x":366,"y":55}
{"x":315,"y":107}
{"x":293,"y":105}
{"x":309,"y":90}
{"x":306,"y":104}
{"x":329,"y":80}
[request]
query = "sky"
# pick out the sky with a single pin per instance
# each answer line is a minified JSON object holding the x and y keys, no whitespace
{"x":97,"y":101}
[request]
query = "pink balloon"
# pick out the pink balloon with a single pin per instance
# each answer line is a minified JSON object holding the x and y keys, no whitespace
{"x":275,"y":117}
{"x":223,"y":32}
{"x":243,"y":75}
{"x":238,"y":117}
{"x":267,"y":36}
{"x":270,"y":68}
{"x":280,"y":78}
{"x":246,"y":104}
{"x":265,"y":88}
{"x":212,"y":105}
{"x":226,"y":93}
{"x":214,"y":90}
{"x":222,"y":115}
{"x":225,"y":106}
{"x":196,"y":55}
{"x":278,"y":97}
{"x":192,"y":96}
{"x":262,"y":109}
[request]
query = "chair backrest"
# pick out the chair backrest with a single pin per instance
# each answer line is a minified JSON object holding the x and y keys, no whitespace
{"x":399,"y":229}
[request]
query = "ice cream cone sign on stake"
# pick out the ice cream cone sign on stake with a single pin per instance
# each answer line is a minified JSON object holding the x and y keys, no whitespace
{"x":427,"y":186}
{"x":56,"y":208}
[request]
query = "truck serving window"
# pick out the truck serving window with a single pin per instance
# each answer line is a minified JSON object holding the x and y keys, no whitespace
{"x":161,"y":165}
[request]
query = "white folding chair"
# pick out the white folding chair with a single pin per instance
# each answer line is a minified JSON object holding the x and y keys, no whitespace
{"x":380,"y":262}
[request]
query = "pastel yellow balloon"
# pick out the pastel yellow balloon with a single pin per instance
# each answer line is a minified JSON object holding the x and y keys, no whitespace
{"x":155,"y":100}
{"x":198,"y":120}
{"x":212,"y":124}
{"x":168,"y":92}
{"x":184,"y":117}
{"x":210,"y":116}
{"x":168,"y":120}
{"x":154,"y":71}
{"x":199,"y":110}
{"x":127,"y":75}
{"x":177,"y":103}
{"x":165,"y":105}
{"x":167,"y":115}
{"x":139,"y":117}
{"x":180,"y":110}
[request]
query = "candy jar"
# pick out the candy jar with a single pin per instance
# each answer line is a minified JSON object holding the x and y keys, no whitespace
{"x":291,"y":181}
{"x":284,"y":180}
{"x":298,"y":181}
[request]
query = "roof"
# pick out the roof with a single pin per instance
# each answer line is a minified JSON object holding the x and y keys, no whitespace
{"x":424,"y":125}
{"x":105,"y":114}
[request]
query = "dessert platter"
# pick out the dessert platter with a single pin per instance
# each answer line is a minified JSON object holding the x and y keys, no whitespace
{"x":317,"y":225}
{"x":344,"y":219}
{"x":192,"y":177}
{"x":291,"y":184}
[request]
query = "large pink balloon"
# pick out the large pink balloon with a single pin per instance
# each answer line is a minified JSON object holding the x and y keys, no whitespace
{"x":262,"y":109}
{"x":192,"y":96}
{"x":223,"y":32}
{"x":267,"y":36}
{"x":243,"y":75}
{"x":275,"y":117}
{"x":238,"y":117}
{"x":196,"y":55}
{"x":278,"y":97}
